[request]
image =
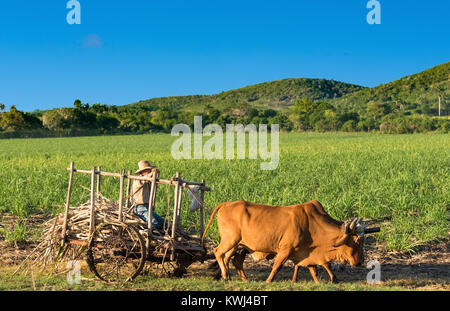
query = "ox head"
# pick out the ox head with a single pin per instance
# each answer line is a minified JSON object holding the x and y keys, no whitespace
{"x":351,"y":241}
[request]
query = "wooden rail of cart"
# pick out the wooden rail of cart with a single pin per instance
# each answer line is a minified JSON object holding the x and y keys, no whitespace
{"x":118,"y":249}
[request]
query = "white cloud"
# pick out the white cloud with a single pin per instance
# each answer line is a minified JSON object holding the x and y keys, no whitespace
{"x":92,"y":41}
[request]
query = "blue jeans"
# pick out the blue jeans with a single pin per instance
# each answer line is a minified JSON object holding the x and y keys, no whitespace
{"x":142,"y":211}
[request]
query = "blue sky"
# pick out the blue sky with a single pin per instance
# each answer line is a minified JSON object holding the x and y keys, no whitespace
{"x":125,"y":51}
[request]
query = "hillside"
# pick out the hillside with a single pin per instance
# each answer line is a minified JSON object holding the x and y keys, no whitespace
{"x":417,"y":92}
{"x":407,"y":105}
{"x":274,"y":94}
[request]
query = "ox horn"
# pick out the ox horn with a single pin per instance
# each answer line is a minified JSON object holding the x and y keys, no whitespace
{"x":371,"y":230}
{"x":353,"y":224}
{"x":345,"y":227}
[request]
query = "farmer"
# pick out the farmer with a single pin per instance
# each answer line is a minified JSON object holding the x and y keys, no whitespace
{"x":141,"y":195}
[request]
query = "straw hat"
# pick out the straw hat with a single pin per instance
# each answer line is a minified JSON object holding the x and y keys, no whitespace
{"x":144,"y":165}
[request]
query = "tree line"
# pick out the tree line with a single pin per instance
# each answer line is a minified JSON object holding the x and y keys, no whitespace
{"x":305,"y":115}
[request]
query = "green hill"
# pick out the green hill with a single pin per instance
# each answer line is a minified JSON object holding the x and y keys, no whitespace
{"x":416,"y":93}
{"x":407,"y":105}
{"x":275,"y":94}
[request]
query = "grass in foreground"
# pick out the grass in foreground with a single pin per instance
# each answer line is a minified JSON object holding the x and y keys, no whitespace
{"x":44,"y":282}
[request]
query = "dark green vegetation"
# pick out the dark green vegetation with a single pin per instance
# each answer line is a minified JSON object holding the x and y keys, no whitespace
{"x":416,"y":94}
{"x":400,"y":182}
{"x":269,"y":95}
{"x":407,"y":105}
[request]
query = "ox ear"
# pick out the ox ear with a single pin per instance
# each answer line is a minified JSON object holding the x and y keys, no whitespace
{"x":340,"y":241}
{"x":345,"y":229}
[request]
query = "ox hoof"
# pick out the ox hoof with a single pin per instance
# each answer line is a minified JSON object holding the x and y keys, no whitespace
{"x":334,"y":280}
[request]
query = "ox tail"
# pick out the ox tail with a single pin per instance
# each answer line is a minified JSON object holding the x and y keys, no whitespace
{"x":209,"y":224}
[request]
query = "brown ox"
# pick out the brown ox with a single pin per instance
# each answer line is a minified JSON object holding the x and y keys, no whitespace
{"x":303,"y":233}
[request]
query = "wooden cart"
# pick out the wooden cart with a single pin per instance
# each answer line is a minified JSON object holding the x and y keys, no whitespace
{"x":117,"y":250}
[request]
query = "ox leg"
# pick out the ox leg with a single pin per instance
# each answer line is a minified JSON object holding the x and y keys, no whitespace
{"x":220,"y":252}
{"x":330,"y":273}
{"x":238,"y":262}
{"x":313,"y":271}
{"x":280,"y":259}
{"x":227,"y":259}
{"x":294,"y":276}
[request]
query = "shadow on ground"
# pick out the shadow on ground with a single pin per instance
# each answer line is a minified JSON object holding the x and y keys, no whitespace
{"x":428,"y":268}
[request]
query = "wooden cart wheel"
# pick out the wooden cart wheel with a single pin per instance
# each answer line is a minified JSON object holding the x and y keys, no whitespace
{"x":116,"y":252}
{"x":171,"y":270}
{"x":177,"y":268}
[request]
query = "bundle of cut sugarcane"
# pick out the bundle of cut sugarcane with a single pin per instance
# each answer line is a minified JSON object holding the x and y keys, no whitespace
{"x":51,"y":250}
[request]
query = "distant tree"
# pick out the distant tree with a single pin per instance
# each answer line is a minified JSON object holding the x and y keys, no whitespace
{"x":223,"y":120}
{"x":366,"y":124}
{"x":98,"y":108}
{"x":113,"y":109}
{"x":282,"y":120}
{"x":16,"y":120}
{"x":2,"y":107}
{"x":106,"y":124}
{"x":207,"y":107}
{"x":166,"y":119}
{"x":349,"y":126}
{"x":69,"y":118}
{"x":345,"y":116}
{"x":80,"y":106}
{"x":268,"y":113}
{"x":376,"y":110}
{"x":212,"y":115}
{"x":321,"y":111}
{"x":321,"y":116}
{"x":241,"y":110}
{"x":328,"y":121}
{"x":37,"y":112}
{"x":83,"y":120}
{"x":299,"y":113}
{"x":54,"y":120}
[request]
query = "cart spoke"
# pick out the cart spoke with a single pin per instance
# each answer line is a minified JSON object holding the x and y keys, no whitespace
{"x":118,"y":253}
